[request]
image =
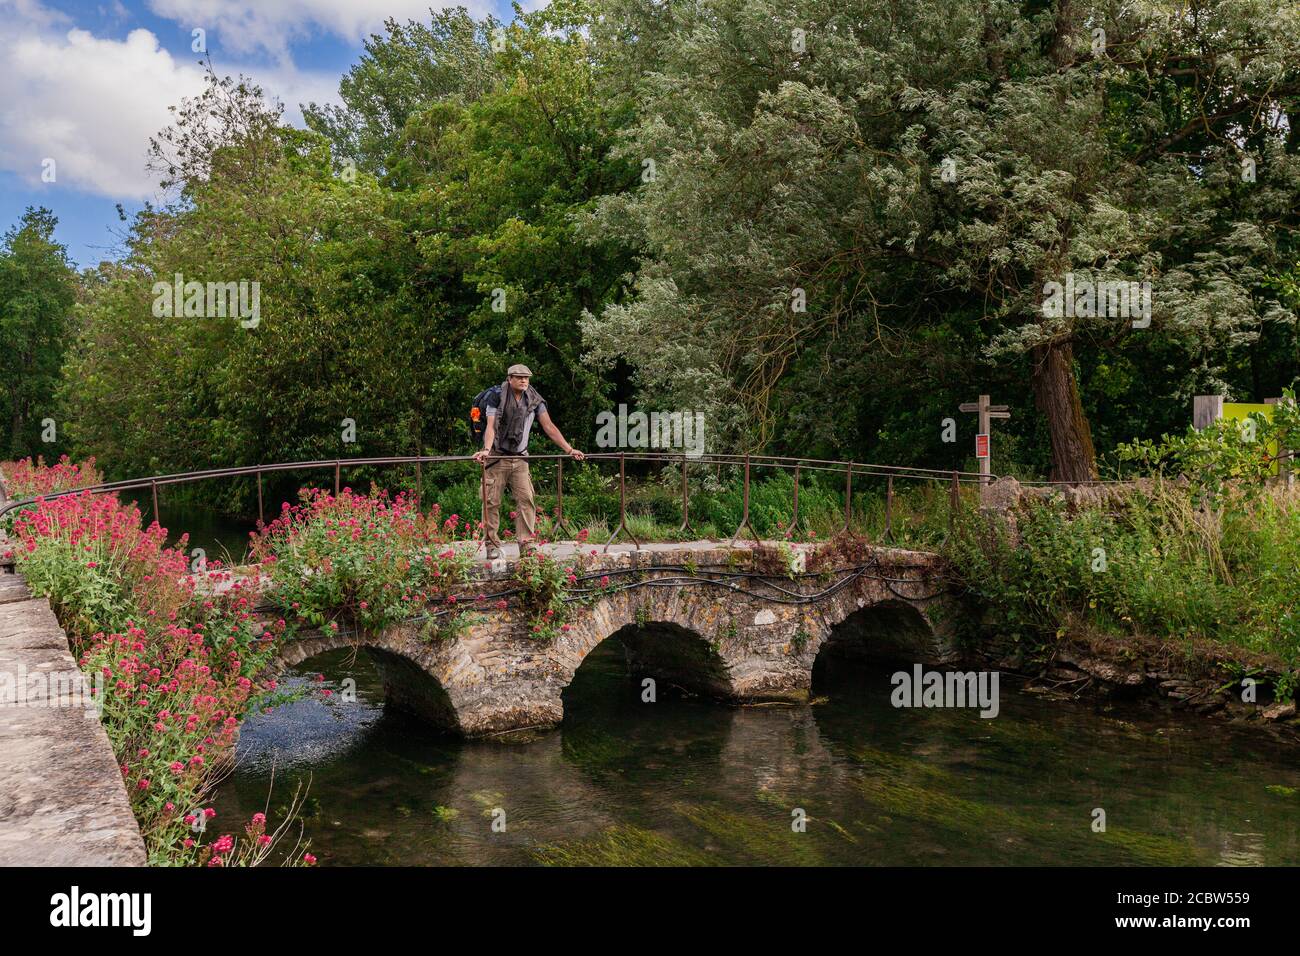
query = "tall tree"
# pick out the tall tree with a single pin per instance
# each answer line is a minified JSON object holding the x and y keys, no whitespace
{"x":37,"y":291}
{"x":828,"y":172}
{"x":401,"y":73}
{"x":389,"y":296}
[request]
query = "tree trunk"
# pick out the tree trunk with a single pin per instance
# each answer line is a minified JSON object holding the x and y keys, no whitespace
{"x":1057,"y":395}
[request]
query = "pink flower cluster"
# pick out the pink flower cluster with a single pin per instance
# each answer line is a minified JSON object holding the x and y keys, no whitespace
{"x":178,"y":661}
{"x":27,"y":479}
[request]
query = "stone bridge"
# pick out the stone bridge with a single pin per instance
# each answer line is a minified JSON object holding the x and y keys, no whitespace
{"x":695,"y":615}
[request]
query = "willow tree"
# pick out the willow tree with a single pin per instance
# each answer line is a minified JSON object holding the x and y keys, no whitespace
{"x":819,"y":165}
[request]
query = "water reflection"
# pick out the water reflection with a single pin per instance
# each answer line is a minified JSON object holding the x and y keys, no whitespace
{"x":688,"y":781}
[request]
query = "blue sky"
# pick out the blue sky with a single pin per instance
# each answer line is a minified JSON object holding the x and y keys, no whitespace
{"x":84,"y":83}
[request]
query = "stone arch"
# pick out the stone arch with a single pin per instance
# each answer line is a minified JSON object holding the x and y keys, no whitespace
{"x":891,"y":630}
{"x":729,"y":643}
{"x":412,"y":681}
{"x":670,"y":654}
{"x":666,"y":632}
{"x":410,"y":687}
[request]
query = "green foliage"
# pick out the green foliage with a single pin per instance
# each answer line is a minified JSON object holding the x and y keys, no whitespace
{"x":369,"y":561}
{"x":1161,"y":566}
{"x":544,"y":584}
{"x":823,"y":170}
{"x":642,"y":188}
{"x":469,"y":166}
{"x":37,"y":289}
{"x":1240,"y":454}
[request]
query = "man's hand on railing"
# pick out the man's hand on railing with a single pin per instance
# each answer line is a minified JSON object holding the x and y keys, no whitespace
{"x":481,"y":457}
{"x":577,"y":455}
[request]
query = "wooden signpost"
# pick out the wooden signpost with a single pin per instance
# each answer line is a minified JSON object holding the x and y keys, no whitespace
{"x":983,"y":440}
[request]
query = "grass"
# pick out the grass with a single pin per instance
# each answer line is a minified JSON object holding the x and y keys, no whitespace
{"x":1163,"y":564}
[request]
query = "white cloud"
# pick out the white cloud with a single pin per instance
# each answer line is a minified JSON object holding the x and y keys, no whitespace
{"x":244,"y":26}
{"x":91,"y":104}
{"x":31,"y":11}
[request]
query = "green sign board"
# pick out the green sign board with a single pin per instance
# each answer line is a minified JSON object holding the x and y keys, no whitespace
{"x":1240,"y":411}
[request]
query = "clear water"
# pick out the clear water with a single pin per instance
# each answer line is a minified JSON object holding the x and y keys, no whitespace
{"x":688,"y":781}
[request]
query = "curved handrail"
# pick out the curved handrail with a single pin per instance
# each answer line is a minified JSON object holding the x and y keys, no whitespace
{"x":746,"y":461}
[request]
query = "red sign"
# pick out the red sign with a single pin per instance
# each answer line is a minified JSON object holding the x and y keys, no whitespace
{"x":981,"y":446}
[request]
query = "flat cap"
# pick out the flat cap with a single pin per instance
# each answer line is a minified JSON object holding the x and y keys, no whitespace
{"x":520,"y":370}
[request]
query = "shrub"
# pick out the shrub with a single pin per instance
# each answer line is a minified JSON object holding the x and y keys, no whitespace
{"x":27,"y":479}
{"x":363,"y":558}
{"x":175,"y":664}
{"x":1162,"y":565}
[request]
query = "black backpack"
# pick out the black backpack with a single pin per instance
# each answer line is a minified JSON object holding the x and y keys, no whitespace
{"x":478,"y":413}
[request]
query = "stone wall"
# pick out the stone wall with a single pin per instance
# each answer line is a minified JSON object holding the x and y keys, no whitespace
{"x":62,"y":802}
{"x":733,"y":638}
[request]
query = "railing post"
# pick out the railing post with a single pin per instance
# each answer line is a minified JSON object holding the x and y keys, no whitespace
{"x":686,"y":501}
{"x":848,"y":497}
{"x":954,"y":500}
{"x":622,"y":505}
{"x":889,"y":508}
{"x":261,"y":517}
{"x":419,"y":487}
{"x":337,"y":466}
{"x":744,"y":516}
{"x":560,"y":523}
{"x":794,"y":515}
{"x":154,"y":486}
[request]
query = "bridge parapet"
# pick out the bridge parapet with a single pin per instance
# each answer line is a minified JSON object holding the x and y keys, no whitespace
{"x":736,"y":623}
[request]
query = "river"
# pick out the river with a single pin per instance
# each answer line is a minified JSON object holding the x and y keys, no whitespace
{"x":845,"y":780}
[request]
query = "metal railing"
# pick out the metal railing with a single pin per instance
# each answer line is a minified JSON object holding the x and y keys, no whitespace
{"x":746,"y":463}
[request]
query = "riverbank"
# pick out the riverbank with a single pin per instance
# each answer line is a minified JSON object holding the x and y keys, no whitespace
{"x":1198,"y":679}
{"x":1148,"y":590}
{"x":172,"y":669}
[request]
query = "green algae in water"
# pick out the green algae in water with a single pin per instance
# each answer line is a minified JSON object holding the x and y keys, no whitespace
{"x":488,"y":800}
{"x":686,"y":783}
{"x":773,"y":799}
{"x":884,"y":763}
{"x":754,"y":838}
{"x":1055,"y":843}
{"x":622,"y":845}
{"x":598,"y":752}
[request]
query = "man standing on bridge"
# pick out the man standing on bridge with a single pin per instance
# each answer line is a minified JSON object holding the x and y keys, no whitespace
{"x":510,"y":417}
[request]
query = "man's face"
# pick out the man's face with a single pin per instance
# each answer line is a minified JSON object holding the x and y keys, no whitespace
{"x":519,"y":383}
